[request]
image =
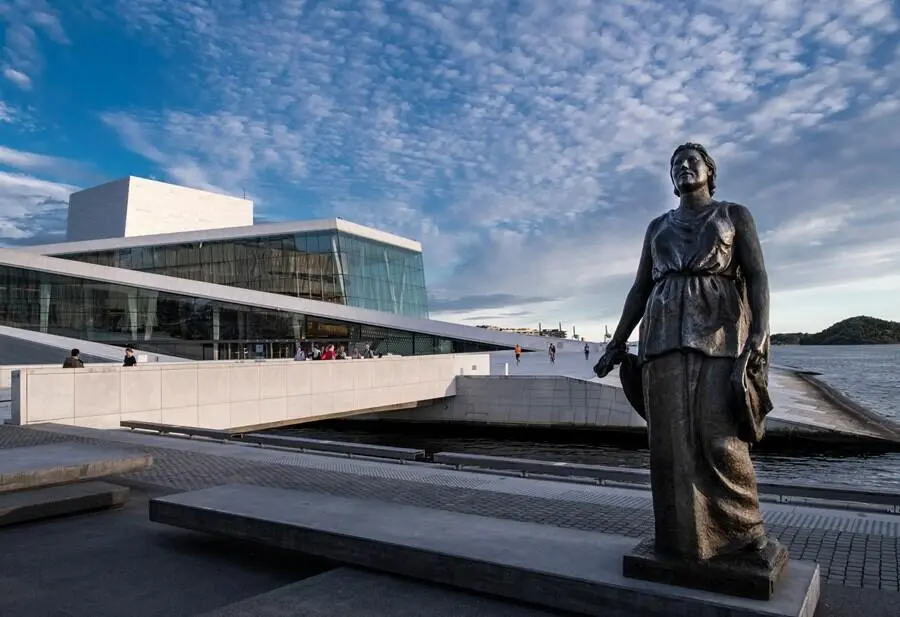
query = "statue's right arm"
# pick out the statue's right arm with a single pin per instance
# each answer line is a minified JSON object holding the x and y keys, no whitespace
{"x":636,"y":300}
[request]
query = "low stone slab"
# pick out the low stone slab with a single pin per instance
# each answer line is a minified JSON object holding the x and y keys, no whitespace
{"x":345,"y":592}
{"x":48,"y":502}
{"x":561,"y":569}
{"x":61,"y":463}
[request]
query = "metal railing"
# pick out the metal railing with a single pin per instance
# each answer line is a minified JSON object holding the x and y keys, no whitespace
{"x":605,"y":475}
{"x":338,"y":447}
{"x":280,"y":441}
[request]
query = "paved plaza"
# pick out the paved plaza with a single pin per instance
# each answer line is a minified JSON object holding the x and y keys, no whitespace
{"x":855,"y":549}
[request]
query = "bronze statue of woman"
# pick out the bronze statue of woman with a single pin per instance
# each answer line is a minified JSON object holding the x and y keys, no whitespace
{"x":701,"y":295}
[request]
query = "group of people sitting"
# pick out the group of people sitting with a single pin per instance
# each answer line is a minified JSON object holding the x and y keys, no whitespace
{"x":329,"y":352}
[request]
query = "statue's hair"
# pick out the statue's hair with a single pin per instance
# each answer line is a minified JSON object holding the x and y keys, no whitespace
{"x":707,"y":160}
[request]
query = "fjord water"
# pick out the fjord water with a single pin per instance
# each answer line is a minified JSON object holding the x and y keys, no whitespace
{"x":868,"y":374}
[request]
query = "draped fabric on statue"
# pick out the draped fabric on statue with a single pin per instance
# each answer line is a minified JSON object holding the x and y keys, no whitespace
{"x":701,"y":413}
{"x":697,"y":301}
{"x":704,"y":485}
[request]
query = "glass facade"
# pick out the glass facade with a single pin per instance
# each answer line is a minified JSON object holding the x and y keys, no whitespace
{"x":188,"y":327}
{"x":331,"y":266}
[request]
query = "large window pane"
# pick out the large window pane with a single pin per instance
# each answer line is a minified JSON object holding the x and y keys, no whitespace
{"x":327,"y":266}
{"x":189,"y":327}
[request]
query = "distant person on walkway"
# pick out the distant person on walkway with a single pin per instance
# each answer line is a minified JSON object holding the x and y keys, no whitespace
{"x":518,"y":352}
{"x":587,"y":351}
{"x":130,"y":360}
{"x":73,"y":360}
{"x":552,"y":352}
{"x":300,"y":356}
{"x":329,"y":353}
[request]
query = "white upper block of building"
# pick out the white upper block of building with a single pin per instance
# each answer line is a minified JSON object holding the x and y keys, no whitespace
{"x":139,"y":207}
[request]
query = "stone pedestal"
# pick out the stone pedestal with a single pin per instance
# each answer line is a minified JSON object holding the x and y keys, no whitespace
{"x":753,"y":577}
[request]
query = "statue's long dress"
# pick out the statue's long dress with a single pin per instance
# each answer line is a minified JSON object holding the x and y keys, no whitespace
{"x":704,"y":487}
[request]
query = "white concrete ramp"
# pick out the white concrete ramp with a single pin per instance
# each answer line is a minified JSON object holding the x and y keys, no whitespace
{"x":566,"y":394}
{"x":240,"y":396}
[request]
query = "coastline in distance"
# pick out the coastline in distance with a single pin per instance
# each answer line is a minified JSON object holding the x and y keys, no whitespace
{"x":859,"y":330}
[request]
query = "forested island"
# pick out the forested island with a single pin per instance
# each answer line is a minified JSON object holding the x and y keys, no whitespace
{"x":853,"y":331}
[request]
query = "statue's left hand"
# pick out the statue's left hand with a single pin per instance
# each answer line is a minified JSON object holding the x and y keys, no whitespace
{"x":608,"y":361}
{"x":756,"y":343}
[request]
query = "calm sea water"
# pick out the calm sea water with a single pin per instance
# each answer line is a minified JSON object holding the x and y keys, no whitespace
{"x":868,"y":374}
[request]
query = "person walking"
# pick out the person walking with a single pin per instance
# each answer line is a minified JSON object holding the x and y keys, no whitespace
{"x":518,"y":352}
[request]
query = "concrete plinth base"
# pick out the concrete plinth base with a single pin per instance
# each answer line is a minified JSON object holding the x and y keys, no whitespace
{"x":41,"y":503}
{"x":60,"y":463}
{"x":745,"y":580}
{"x":556,"y":568}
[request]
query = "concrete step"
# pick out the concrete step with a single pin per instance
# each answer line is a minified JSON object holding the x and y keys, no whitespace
{"x":559,"y":569}
{"x":48,"y":502}
{"x":60,"y":463}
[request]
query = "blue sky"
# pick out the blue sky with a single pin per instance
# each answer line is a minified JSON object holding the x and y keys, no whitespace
{"x":524,"y":143}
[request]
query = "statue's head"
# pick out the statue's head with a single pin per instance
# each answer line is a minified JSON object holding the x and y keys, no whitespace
{"x":691,"y":167}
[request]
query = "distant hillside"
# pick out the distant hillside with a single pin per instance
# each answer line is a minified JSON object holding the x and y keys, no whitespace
{"x":853,"y":331}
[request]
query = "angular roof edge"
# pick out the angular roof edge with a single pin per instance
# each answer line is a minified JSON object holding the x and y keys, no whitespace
{"x":210,"y":291}
{"x":226,"y":233}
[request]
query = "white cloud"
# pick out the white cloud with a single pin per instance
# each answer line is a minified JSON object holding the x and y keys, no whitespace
{"x":526,"y":145}
{"x":220,"y":152}
{"x":31,"y":206}
{"x":27,"y":22}
{"x":28,"y":160}
{"x":6,"y":112}
{"x":17,"y":77}
{"x":26,"y":200}
{"x":810,"y":228}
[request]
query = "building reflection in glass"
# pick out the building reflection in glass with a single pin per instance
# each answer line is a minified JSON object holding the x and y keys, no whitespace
{"x":330,"y":266}
{"x":196,"y":328}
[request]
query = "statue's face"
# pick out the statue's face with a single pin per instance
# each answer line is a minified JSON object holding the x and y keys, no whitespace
{"x":689,"y":172}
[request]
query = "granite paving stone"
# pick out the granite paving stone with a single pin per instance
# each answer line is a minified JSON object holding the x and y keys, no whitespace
{"x":842,"y":555}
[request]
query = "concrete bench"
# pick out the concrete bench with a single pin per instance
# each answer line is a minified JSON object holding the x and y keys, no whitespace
{"x":340,"y":447}
{"x":553,"y":567}
{"x":187,"y":431}
{"x":51,"y":501}
{"x":603,"y":474}
{"x":524,"y":466}
{"x":39,"y":482}
{"x":61,"y":463}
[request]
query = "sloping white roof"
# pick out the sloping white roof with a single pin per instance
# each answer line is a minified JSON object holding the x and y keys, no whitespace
{"x":210,"y":291}
{"x":229,"y":233}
